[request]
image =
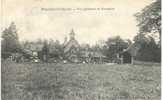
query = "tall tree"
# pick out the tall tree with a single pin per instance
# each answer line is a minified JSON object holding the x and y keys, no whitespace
{"x":10,"y":40}
{"x":45,"y":51}
{"x":149,"y":50}
{"x":150,"y":18}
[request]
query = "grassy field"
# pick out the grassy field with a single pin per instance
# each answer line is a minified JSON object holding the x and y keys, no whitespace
{"x":80,"y":82}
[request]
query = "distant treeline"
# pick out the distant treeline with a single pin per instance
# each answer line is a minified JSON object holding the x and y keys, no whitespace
{"x":149,"y":51}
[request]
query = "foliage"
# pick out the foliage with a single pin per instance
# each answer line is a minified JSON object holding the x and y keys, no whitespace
{"x":10,"y":42}
{"x":149,"y":22}
{"x":150,"y":18}
{"x":85,"y":47}
{"x":149,"y":50}
{"x":115,"y":45}
{"x":55,"y":49}
{"x":45,"y":51}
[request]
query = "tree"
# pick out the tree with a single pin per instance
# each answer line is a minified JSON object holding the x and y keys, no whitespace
{"x":45,"y":51}
{"x":85,"y":47}
{"x":150,"y":18}
{"x":141,"y":38}
{"x":149,"y":50}
{"x":115,"y":45}
{"x":55,"y":49}
{"x":10,"y":41}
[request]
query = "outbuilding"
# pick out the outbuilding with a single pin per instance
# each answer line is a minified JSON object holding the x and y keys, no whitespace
{"x":128,"y":55}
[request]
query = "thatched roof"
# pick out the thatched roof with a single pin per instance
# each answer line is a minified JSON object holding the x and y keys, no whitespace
{"x":133,"y":49}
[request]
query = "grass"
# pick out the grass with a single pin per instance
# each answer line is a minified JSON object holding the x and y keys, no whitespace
{"x":80,"y":82}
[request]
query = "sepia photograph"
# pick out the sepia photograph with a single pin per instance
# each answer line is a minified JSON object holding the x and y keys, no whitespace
{"x":80,"y":49}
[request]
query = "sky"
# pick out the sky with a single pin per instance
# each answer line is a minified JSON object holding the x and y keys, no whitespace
{"x":54,"y":19}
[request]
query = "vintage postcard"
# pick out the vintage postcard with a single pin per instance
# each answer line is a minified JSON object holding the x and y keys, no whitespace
{"x":80,"y":49}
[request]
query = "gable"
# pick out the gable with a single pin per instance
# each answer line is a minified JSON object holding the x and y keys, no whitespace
{"x":133,"y":49}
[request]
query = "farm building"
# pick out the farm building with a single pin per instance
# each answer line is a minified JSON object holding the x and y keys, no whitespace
{"x":98,"y":57}
{"x":129,"y":54}
{"x":92,"y":56}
